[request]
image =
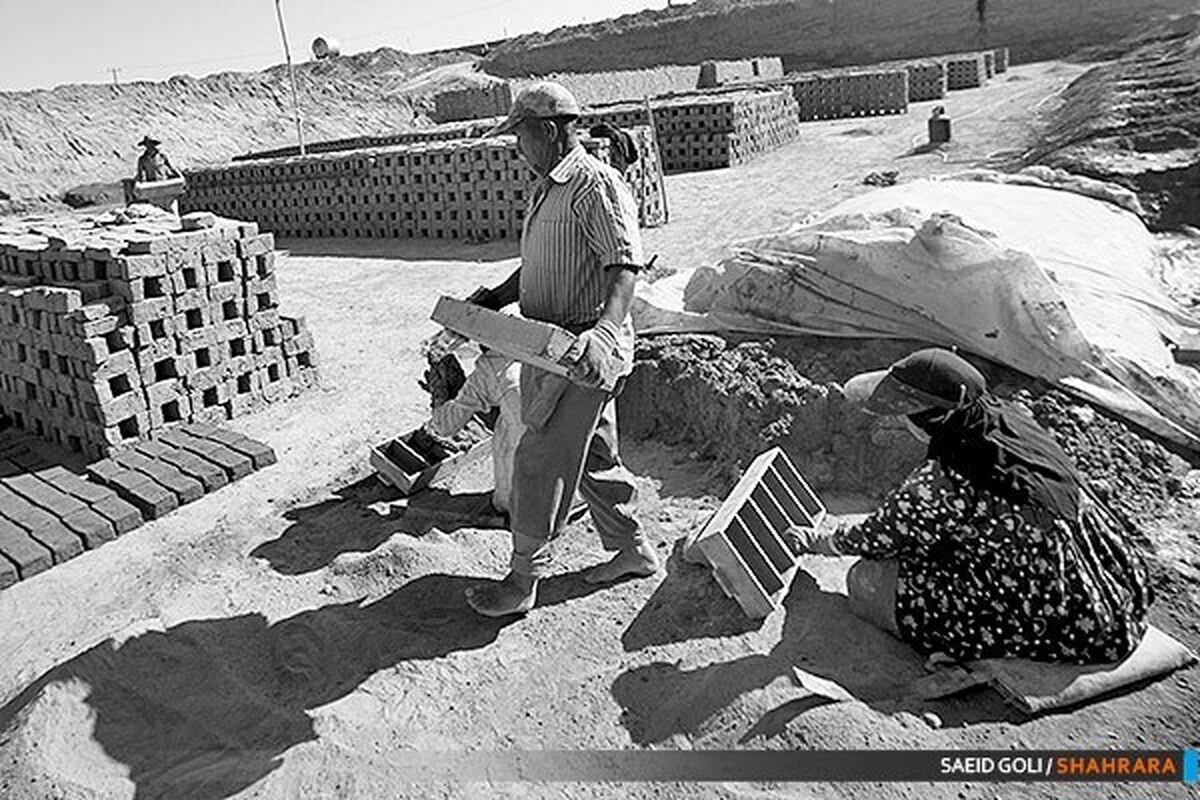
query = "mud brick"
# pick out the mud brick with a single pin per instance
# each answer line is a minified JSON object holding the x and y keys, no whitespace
{"x":123,"y":515}
{"x":98,"y":327}
{"x":92,"y":351}
{"x":94,"y":528}
{"x":193,"y":319}
{"x":151,"y":310}
{"x":42,"y":494}
{"x":60,"y":300}
{"x":160,"y":366}
{"x":261,"y":266}
{"x":210,"y":476}
{"x":255,"y":245}
{"x":224,"y":272}
{"x":184,"y":249}
{"x":215,"y":250}
{"x":242,"y":404}
{"x":231,"y":329}
{"x":111,"y":412}
{"x":213,"y":415}
{"x":190,"y":341}
{"x":201,"y":379}
{"x":185,"y":488}
{"x":167,"y":408}
{"x":260,"y":454}
{"x":41,"y":525}
{"x":262,"y":320}
{"x":189,"y":277}
{"x":141,"y":245}
{"x":8,"y":571}
{"x":150,"y":498}
{"x":235,"y":465}
{"x":119,"y":363}
{"x":152,"y":352}
{"x":219,"y":293}
{"x":261,"y":296}
{"x":28,"y":555}
{"x":133,"y":267}
{"x":231,"y":310}
{"x":301,"y":343}
{"x":189,"y":299}
{"x":279,"y":389}
{"x":73,"y":484}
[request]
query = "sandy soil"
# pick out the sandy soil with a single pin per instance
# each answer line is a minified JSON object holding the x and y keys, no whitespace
{"x":295,"y":635}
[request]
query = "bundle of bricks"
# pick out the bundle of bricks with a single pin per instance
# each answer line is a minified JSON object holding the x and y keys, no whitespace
{"x":50,"y":514}
{"x":463,"y":189}
{"x":708,"y":131}
{"x":850,"y":93}
{"x":965,"y":70}
{"x":1001,"y":55}
{"x":645,"y":178}
{"x":718,"y":73}
{"x":109,"y":333}
{"x":926,"y":79}
{"x":473,"y":102}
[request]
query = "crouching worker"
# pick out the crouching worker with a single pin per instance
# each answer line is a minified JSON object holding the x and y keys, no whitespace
{"x":992,"y":548}
{"x":495,"y":382}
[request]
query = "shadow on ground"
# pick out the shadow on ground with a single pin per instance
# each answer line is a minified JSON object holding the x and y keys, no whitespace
{"x":820,"y":636}
{"x":207,"y":708}
{"x":403,"y":249}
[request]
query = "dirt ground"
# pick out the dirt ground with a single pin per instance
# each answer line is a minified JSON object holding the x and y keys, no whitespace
{"x":298,"y":635}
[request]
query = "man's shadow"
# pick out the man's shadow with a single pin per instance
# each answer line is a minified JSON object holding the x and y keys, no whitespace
{"x":207,"y":708}
{"x":820,"y":636}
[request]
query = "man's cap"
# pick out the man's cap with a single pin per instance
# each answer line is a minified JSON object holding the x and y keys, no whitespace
{"x":148,"y":142}
{"x":540,"y":100}
{"x":930,"y":378}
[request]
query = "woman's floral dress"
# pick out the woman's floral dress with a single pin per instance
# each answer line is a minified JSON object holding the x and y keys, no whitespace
{"x":982,"y":578}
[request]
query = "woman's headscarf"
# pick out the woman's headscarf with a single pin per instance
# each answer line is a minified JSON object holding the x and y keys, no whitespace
{"x":988,"y":441}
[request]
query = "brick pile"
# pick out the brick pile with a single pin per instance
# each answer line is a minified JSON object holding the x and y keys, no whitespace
{"x":109,"y":333}
{"x":50,"y":513}
{"x":458,"y":189}
{"x":989,"y":64}
{"x":926,"y":79}
{"x":965,"y":71}
{"x":850,"y":93}
{"x":718,"y":73}
{"x":1001,"y":54}
{"x":473,"y":102}
{"x":708,"y":131}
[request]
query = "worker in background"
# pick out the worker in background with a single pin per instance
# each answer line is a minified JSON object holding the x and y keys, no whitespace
{"x":153,"y":165}
{"x":623,"y":151}
{"x":495,"y":382}
{"x":580,"y":254}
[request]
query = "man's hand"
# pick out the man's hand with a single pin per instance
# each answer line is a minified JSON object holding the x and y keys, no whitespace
{"x":596,"y":355}
{"x":485,"y":298}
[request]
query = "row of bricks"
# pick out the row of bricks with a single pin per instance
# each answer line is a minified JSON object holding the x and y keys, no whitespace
{"x":466,"y":232}
{"x":476,"y":192}
{"x":49,"y":514}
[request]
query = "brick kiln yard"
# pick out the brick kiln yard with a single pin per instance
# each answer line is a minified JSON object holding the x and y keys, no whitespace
{"x":289,"y":635}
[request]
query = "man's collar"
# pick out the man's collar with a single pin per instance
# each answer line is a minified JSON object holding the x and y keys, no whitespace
{"x":566,"y":167}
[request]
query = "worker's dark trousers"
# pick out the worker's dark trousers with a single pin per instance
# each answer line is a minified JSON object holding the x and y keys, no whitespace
{"x":576,"y":449}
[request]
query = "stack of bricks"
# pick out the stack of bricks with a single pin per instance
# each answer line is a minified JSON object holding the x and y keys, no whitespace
{"x":709,"y":131}
{"x":473,"y":102}
{"x":109,"y":333}
{"x":1001,"y":55}
{"x":645,"y":178}
{"x":965,"y":71}
{"x":850,"y":93}
{"x":459,"y":189}
{"x":718,"y":73}
{"x":989,"y":64}
{"x":469,"y":129}
{"x":926,"y":79}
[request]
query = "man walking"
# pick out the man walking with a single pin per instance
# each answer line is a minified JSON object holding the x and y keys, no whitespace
{"x":580,"y":254}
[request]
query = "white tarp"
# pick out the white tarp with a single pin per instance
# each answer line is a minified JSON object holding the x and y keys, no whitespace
{"x":1052,"y":283}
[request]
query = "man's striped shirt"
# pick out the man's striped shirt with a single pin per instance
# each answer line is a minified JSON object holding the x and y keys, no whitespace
{"x":581,"y":218}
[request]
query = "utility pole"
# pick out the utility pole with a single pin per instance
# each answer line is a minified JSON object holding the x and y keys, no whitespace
{"x":287,"y":53}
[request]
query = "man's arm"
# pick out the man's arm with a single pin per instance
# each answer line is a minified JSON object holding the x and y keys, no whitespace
{"x":499,"y":297}
{"x":598,"y":346}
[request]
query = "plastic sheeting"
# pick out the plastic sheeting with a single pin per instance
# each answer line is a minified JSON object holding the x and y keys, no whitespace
{"x":1052,"y":283}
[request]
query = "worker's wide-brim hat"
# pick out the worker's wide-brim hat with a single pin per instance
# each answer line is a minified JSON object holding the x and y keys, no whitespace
{"x":541,"y":100}
{"x":930,"y":378}
{"x":148,"y":142}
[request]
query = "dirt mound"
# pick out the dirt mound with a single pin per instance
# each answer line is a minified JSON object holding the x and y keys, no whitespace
{"x":1136,"y":121}
{"x":732,"y":399}
{"x":51,"y":140}
{"x":819,"y":33}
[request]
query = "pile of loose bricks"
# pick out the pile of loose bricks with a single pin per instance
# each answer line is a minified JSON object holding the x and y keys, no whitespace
{"x":708,"y":131}
{"x":50,"y":514}
{"x":110,"y":332}
{"x":460,"y":189}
